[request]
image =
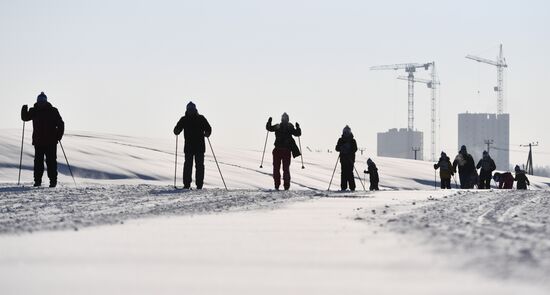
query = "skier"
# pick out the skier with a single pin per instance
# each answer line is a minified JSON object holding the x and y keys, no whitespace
{"x":373,"y":175}
{"x":285,"y":146}
{"x":48,"y":129}
{"x":466,"y":168}
{"x":521,"y":178}
{"x":487,"y":166}
{"x":445,"y":170}
{"x":195,"y":128}
{"x":505,"y":180}
{"x":347,"y":146}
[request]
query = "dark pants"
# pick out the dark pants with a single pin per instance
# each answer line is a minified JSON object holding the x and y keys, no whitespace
{"x":485,"y":180}
{"x":188,"y":169}
{"x":445,"y":183}
{"x":465,"y":179}
{"x":346,"y":176}
{"x":50,"y":152}
{"x":281,"y":155}
{"x":374,"y":186}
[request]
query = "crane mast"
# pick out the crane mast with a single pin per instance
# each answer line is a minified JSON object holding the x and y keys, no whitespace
{"x":500,"y":64}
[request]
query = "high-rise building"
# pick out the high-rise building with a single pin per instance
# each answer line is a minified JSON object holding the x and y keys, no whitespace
{"x":475,"y":131}
{"x":400,"y":143}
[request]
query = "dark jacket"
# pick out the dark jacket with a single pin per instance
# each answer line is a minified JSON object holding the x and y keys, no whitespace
{"x":48,"y":127}
{"x":505,"y":180}
{"x":465,"y":164}
{"x":373,"y":172}
{"x":522,"y":180}
{"x":487,"y":166}
{"x":283,"y":136}
{"x":195,"y":127}
{"x":445,"y":167}
{"x":347,"y":146}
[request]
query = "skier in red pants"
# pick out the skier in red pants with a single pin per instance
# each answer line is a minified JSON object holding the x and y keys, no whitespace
{"x":285,"y":147}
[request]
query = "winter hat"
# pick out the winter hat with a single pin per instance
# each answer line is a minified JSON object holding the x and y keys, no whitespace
{"x":443,"y":154}
{"x":42,"y":97}
{"x":191,"y":107}
{"x":346,"y":131}
{"x":463,"y":148}
{"x":485,"y":153}
{"x":517,"y":169}
{"x":285,"y":118}
{"x":369,"y":161}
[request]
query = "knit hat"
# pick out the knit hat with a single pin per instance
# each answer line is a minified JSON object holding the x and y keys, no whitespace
{"x":285,"y":118}
{"x":517,"y":169}
{"x":191,"y":108}
{"x":369,"y":161}
{"x":463,"y":148}
{"x":42,"y":97}
{"x":443,"y":154}
{"x":347,"y":130}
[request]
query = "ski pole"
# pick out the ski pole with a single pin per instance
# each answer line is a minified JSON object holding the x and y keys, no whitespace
{"x":435,"y":180}
{"x":21,"y":155}
{"x":214,"y":155}
{"x":336,"y":165}
{"x":301,"y":154}
{"x":67,"y":160}
{"x":176,"y":163}
{"x":263,"y":153}
{"x":359,"y":176}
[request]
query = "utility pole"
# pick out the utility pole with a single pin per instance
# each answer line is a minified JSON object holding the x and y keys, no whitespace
{"x":489,"y":142}
{"x":362,"y":150}
{"x":529,"y":166}
{"x":415,"y":150}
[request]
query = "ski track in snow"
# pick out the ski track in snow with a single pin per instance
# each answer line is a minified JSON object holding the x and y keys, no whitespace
{"x":27,"y":209}
{"x":500,"y":233}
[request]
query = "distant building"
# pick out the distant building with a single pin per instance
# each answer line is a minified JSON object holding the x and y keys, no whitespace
{"x":400,"y":143}
{"x":475,"y":129}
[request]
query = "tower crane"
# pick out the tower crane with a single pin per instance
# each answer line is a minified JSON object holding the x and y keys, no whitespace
{"x":433,"y":84}
{"x":500,"y":63}
{"x":410,"y":68}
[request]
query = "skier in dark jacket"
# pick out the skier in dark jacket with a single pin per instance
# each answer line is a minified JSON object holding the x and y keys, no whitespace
{"x":466,"y":168}
{"x":347,"y":146}
{"x":505,"y":180}
{"x":373,"y":173}
{"x":487,"y":166}
{"x":445,"y":170}
{"x":195,"y":128}
{"x":285,"y":146}
{"x":521,"y":178}
{"x":48,"y":129}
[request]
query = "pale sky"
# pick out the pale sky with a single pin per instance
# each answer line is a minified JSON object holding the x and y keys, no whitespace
{"x":130,"y":67}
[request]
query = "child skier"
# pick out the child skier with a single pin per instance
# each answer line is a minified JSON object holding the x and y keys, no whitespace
{"x":373,"y":172}
{"x":521,"y":178}
{"x":445,"y":170}
{"x":347,"y":146}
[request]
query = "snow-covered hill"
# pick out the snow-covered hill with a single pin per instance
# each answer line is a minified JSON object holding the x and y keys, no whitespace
{"x":107,"y":158}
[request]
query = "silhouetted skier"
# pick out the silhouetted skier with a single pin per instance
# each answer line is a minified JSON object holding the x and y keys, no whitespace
{"x":445,"y":170}
{"x":195,"y":128}
{"x":347,"y":146}
{"x":285,"y":146}
{"x":466,"y":168}
{"x":373,"y":175}
{"x":487,"y":166}
{"x":521,"y":178}
{"x":48,"y":129}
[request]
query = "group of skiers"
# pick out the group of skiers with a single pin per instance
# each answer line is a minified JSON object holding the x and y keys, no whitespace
{"x":48,"y":130}
{"x":469,"y":176}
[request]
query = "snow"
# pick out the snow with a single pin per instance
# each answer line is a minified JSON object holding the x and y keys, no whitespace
{"x":124,"y":229}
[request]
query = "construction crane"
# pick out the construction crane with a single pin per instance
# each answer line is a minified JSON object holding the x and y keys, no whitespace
{"x":411,"y":69}
{"x":433,"y":84}
{"x":500,"y":63}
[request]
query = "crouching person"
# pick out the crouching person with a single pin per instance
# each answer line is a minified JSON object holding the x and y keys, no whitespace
{"x":505,"y":180}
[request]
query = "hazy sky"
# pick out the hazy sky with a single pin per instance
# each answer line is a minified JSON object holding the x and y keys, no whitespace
{"x":130,"y":67}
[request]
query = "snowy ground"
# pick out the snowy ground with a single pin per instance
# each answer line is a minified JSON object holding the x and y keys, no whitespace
{"x":124,"y":229}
